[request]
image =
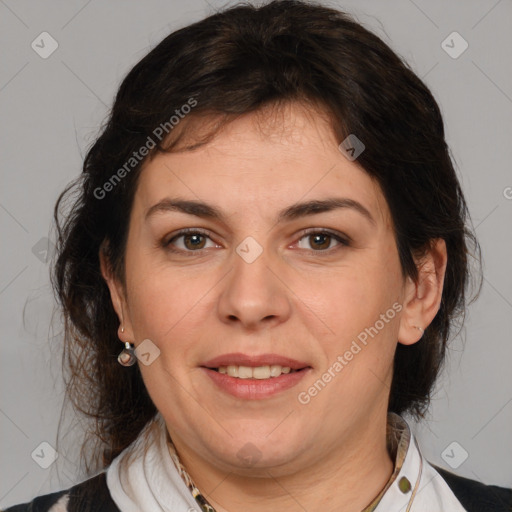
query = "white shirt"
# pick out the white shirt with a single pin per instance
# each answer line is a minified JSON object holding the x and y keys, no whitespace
{"x":151,"y":482}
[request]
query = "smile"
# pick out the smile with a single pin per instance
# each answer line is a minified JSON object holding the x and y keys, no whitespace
{"x":255,"y":387}
{"x":259,"y":372}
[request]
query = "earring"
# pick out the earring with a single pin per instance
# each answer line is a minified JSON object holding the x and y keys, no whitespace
{"x":420,"y":329}
{"x":127,"y":356}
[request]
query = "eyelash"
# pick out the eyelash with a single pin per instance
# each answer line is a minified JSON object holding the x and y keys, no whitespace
{"x":343,"y":240}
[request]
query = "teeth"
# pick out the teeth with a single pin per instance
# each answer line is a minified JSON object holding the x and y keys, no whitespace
{"x":275,"y":370}
{"x":259,"y":372}
{"x":244,"y":372}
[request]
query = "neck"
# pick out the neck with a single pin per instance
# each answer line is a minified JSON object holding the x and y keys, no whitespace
{"x":349,"y":477}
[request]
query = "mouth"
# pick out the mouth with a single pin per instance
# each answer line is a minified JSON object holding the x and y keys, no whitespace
{"x":255,"y":377}
{"x":257,"y":372}
{"x":239,"y":360}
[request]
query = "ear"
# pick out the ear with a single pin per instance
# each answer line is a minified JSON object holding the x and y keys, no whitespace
{"x":423,"y":298}
{"x":117,"y":295}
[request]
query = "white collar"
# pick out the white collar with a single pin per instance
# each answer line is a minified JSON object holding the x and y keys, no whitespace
{"x":150,"y":481}
{"x":428,"y":490}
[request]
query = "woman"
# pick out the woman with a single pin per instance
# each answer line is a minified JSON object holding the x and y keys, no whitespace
{"x":271,"y":229}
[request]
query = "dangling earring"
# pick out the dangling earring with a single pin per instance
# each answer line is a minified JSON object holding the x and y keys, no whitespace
{"x":127,"y":356}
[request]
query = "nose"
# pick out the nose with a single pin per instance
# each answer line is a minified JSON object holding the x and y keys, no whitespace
{"x":254,"y":294}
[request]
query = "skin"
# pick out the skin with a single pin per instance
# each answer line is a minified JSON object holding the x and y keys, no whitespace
{"x":301,"y":298}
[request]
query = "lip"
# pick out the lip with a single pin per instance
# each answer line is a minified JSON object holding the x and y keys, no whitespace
{"x":239,"y":359}
{"x":255,"y":389}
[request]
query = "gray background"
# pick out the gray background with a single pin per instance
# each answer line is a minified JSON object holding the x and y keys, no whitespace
{"x":51,"y":110}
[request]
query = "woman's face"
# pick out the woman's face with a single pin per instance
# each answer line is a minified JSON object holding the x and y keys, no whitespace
{"x":253,"y":282}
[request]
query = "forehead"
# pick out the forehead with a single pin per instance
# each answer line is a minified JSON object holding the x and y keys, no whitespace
{"x":263,"y":162}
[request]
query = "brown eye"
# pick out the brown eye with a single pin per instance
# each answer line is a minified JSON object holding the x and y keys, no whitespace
{"x":187,"y":241}
{"x":320,"y":241}
{"x":193,"y":241}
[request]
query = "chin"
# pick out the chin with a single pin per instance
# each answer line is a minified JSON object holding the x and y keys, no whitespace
{"x":249,"y":454}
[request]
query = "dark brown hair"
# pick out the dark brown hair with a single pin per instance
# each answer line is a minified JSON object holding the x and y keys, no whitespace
{"x":235,"y":62}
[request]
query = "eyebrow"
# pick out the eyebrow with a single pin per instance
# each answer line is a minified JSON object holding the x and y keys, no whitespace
{"x":295,"y":211}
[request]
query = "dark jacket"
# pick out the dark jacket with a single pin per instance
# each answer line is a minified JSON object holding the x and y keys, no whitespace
{"x":93,"y":496}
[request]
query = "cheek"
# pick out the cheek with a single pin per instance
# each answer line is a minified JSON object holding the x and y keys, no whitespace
{"x":359,"y":295}
{"x":164,"y":302}
{"x":362,"y":311}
